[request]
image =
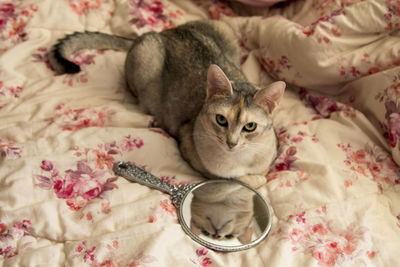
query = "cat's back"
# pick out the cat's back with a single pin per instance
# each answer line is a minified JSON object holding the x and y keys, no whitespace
{"x":168,"y":70}
{"x":194,"y":46}
{"x":214,"y":38}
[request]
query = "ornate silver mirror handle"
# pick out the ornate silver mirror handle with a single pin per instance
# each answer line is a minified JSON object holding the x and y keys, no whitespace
{"x":135,"y":174}
{"x":184,"y":196}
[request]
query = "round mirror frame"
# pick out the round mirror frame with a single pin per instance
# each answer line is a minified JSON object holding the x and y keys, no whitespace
{"x":214,"y":246}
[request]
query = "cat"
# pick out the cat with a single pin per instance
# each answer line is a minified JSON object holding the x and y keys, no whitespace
{"x":222,"y":211}
{"x":189,"y":78}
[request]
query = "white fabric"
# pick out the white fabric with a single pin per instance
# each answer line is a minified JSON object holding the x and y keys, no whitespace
{"x":334,"y":189}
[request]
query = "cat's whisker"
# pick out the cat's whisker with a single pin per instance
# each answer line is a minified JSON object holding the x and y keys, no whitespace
{"x":208,"y":136}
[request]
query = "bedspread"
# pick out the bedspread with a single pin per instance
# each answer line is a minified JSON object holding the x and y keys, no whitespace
{"x":334,"y":189}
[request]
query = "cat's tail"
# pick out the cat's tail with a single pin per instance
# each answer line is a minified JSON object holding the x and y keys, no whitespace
{"x":61,"y":51}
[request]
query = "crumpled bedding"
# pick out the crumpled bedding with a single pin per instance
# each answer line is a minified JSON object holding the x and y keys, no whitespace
{"x":334,"y":188}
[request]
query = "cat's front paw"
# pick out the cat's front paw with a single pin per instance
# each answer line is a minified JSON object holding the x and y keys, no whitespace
{"x":254,"y":181}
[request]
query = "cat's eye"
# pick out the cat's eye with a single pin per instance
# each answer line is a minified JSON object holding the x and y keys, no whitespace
{"x":229,"y":236}
{"x":250,"y":127}
{"x":221,"y":120}
{"x":204,"y":232}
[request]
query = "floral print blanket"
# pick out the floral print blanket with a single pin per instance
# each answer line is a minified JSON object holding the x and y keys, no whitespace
{"x":334,"y":189}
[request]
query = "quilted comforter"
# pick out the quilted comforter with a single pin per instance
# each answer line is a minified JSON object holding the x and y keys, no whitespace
{"x":334,"y":189}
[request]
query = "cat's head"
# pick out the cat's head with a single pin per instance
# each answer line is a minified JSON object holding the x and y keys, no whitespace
{"x":237,"y":113}
{"x":222,"y":211}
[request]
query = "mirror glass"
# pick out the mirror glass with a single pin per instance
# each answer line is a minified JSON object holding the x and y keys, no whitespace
{"x":221,"y":214}
{"x":225,"y":215}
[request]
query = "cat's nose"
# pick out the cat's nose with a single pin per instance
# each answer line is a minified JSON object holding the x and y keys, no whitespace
{"x":216,"y":236}
{"x":231,"y":144}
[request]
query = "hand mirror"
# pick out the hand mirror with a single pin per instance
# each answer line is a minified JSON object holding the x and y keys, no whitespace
{"x":221,"y":214}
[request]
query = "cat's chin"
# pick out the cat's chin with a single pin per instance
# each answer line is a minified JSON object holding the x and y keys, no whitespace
{"x":233,"y":150}
{"x":220,"y":160}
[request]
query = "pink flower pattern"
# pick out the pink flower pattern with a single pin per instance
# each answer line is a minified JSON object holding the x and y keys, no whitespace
{"x":11,"y":238}
{"x":89,"y":255}
{"x":324,"y":24}
{"x":276,"y":66}
{"x":324,"y":107}
{"x":8,"y":94}
{"x":367,"y":67}
{"x":13,"y":20}
{"x":82,"y":7}
{"x":90,"y":178}
{"x":286,"y":159}
{"x":284,"y":169}
{"x":329,"y":244}
{"x":79,"y":186}
{"x":372,"y":163}
{"x":394,"y":129}
{"x":389,"y":97}
{"x":215,"y":8}
{"x":326,"y":7}
{"x":9,"y":150}
{"x":167,"y":206}
{"x":201,"y":259}
{"x":392,"y":15}
{"x":154,"y":14}
{"x":218,"y":8}
{"x":165,"y":210}
{"x":129,"y":143}
{"x":69,"y":119}
{"x":104,"y":155}
{"x":142,"y":260}
{"x":88,"y":252}
{"x":42,"y":55}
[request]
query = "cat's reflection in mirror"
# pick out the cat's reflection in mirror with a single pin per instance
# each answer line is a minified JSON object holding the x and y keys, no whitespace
{"x":223,"y":211}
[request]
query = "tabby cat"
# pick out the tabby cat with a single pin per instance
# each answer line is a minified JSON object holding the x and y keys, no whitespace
{"x":189,"y":79}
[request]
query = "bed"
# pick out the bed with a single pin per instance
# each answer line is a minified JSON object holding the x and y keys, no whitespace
{"x":334,"y":189}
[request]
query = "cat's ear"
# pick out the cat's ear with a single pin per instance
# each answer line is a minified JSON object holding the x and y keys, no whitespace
{"x":218,"y":85}
{"x":269,"y":97}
